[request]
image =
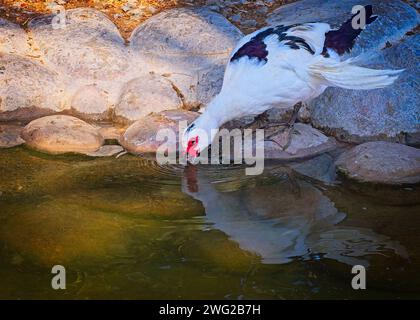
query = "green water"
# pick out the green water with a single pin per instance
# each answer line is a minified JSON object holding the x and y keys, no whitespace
{"x":129,"y":229}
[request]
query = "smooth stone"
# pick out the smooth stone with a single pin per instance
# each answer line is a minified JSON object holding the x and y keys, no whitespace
{"x":106,"y":151}
{"x":13,"y":39}
{"x":10,"y":136}
{"x":189,"y":46}
{"x":381,"y":162}
{"x":320,"y":168}
{"x":89,"y":46}
{"x":91,"y":103}
{"x":109,"y":132}
{"x":28,"y":89}
{"x":381,"y":114}
{"x":144,"y":95}
{"x":140,"y":137}
{"x":62,"y":134}
{"x":305,"y":142}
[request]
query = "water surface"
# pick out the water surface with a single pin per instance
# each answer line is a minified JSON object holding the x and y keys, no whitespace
{"x":129,"y":229}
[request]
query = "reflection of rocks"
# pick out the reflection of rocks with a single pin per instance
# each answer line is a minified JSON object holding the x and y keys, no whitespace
{"x":283,"y":220}
{"x":381,"y":162}
{"x":356,"y":115}
{"x":62,"y":134}
{"x":127,"y":186}
{"x":189,"y":46}
{"x":10,"y":136}
{"x":28,"y":89}
{"x":140,"y":137}
{"x":144,"y":95}
{"x":140,"y":203}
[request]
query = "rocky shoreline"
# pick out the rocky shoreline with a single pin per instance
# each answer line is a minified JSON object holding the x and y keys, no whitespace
{"x":71,"y":89}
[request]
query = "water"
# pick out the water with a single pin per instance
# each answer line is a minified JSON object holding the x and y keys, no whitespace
{"x":129,"y":229}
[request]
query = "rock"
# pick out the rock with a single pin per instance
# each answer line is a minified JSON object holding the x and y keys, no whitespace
{"x":112,"y":133}
{"x":140,"y":137}
{"x":28,"y":89}
{"x":189,"y":46}
{"x":413,"y":140}
{"x":89,"y":46}
{"x":143,"y":95}
{"x":106,"y":151}
{"x":62,"y":134}
{"x":91,"y":103}
{"x":13,"y":39}
{"x":305,"y":142}
{"x":320,"y":168}
{"x":10,"y":136}
{"x":381,"y":162}
{"x":359,"y":116}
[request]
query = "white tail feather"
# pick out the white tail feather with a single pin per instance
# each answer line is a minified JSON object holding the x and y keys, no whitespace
{"x":345,"y":75}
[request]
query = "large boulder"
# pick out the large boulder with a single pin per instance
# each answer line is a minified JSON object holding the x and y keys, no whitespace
{"x":28,"y":89}
{"x":141,"y":137}
{"x":359,"y":116}
{"x":91,"y":103}
{"x":89,"y":45}
{"x":91,"y":55}
{"x":381,"y":162}
{"x":13,"y":39}
{"x":62,"y":134}
{"x":190,"y":47}
{"x":146,"y":94}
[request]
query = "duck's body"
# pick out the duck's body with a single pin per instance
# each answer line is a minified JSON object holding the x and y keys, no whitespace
{"x":278,"y":67}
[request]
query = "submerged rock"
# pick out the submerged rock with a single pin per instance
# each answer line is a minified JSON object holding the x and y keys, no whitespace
{"x":62,"y":134}
{"x":320,"y":168}
{"x":358,"y":116}
{"x":63,"y":231}
{"x":28,"y":89}
{"x":10,"y":136}
{"x":141,"y":136}
{"x":381,"y":162}
{"x":189,"y":46}
{"x":144,"y":95}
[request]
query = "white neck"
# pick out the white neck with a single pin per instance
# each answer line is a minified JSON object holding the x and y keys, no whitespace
{"x":215,"y":112}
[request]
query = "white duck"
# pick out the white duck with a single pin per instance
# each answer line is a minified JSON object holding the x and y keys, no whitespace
{"x":280,"y":67}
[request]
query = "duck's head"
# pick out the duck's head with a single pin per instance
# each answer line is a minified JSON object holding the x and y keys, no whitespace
{"x":198,"y":136}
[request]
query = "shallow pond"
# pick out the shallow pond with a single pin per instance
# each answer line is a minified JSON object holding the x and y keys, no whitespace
{"x":129,"y":229}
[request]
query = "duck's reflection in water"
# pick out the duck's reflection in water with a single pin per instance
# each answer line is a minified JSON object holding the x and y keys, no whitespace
{"x":282,"y":218}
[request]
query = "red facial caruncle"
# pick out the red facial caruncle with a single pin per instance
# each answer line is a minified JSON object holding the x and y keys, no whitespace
{"x":191,"y":147}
